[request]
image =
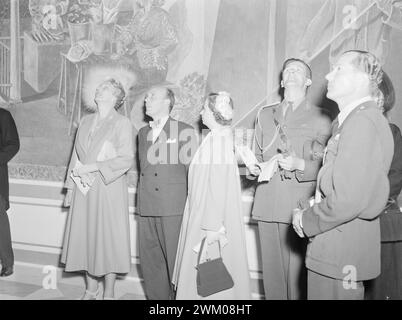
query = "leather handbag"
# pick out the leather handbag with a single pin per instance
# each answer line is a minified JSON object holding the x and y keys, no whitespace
{"x":212,"y":275}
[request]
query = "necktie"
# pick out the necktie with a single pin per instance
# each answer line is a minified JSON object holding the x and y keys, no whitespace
{"x":289,"y":110}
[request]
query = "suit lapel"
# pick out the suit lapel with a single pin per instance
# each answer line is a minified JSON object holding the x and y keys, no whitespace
{"x":165,"y":133}
{"x":278,"y":114}
{"x":147,"y":138}
{"x":95,"y":143}
{"x":82,"y":138}
{"x":162,"y":139}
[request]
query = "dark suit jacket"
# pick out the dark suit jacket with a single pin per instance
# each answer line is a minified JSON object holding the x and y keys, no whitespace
{"x":162,"y":189}
{"x":275,"y":200}
{"x":391,"y":218}
{"x":9,"y":146}
{"x":344,"y":226}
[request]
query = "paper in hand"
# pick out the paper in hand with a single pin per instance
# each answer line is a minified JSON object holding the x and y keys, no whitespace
{"x":77,"y":180}
{"x":268,"y":168}
{"x":247,"y":156}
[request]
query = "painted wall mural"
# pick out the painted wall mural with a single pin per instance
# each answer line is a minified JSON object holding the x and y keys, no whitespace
{"x":192,"y":46}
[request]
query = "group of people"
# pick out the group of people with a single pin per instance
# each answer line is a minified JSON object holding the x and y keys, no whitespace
{"x":318,"y":218}
{"x":326,"y":219}
{"x":183,"y":197}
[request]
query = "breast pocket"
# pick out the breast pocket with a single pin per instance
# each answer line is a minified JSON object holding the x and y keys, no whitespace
{"x":298,"y":136}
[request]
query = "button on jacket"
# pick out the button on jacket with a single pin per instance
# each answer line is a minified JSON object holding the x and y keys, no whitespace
{"x":275,"y":200}
{"x":162,"y":189}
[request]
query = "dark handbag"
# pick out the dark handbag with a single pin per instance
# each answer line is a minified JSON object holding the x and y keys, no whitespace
{"x":212,"y":275}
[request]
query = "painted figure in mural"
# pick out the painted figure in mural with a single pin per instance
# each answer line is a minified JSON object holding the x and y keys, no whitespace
{"x":97,"y":236}
{"x":296,"y":131}
{"x":47,"y":24}
{"x":370,"y":32}
{"x":144,"y":44}
{"x":352,"y":186}
{"x":162,"y":190}
{"x":388,"y":285}
{"x":214,"y":209}
{"x":9,"y":146}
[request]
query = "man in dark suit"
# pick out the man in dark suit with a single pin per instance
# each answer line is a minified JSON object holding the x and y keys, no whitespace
{"x":292,"y":129}
{"x":352,"y":186}
{"x":165,"y":149}
{"x":9,"y":146}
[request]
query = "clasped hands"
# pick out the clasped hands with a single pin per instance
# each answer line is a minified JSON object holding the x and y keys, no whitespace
{"x":84,"y":172}
{"x":297,"y":222}
{"x":289,"y":163}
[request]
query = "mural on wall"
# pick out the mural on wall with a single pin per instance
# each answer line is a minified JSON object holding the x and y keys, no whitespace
{"x":142,"y":47}
{"x":70,"y":46}
{"x":364,"y":25}
{"x":192,"y":46}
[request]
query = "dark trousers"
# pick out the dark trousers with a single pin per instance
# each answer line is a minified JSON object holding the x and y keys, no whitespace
{"x":283,"y":268}
{"x":388,"y":285}
{"x":320,"y":287}
{"x":158,"y":240}
{"x":6,"y":250}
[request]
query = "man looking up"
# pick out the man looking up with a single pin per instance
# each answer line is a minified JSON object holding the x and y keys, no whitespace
{"x":352,"y":186}
{"x":295,"y":129}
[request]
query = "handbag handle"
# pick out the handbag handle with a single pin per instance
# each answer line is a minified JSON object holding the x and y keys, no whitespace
{"x":202,"y":248}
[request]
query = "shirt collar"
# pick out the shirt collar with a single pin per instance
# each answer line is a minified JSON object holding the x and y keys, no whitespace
{"x":159,"y":123}
{"x":350,"y":107}
{"x":295,"y":104}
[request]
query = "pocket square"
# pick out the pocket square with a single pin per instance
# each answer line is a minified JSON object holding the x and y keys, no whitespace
{"x":171,"y":141}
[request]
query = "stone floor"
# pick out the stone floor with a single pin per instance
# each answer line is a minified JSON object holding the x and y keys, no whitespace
{"x":30,"y":281}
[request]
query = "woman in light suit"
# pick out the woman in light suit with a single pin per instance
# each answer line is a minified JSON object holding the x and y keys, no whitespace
{"x":97,"y":238}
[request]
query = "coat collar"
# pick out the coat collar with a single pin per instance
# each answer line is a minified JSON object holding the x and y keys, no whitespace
{"x":161,"y":139}
{"x":365,"y":105}
{"x":89,"y":143}
{"x":303,"y":106}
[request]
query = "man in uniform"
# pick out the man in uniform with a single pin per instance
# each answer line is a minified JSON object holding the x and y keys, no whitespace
{"x":297,"y":130}
{"x":353,"y":188}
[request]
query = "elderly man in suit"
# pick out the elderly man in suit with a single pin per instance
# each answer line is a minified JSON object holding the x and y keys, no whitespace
{"x":9,"y":146}
{"x":295,"y":131}
{"x":165,"y":150}
{"x":353,"y":187}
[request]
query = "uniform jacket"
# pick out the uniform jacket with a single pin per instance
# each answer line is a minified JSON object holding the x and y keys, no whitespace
{"x":9,"y":146}
{"x":353,"y":181}
{"x":275,"y":200}
{"x":162,"y":189}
